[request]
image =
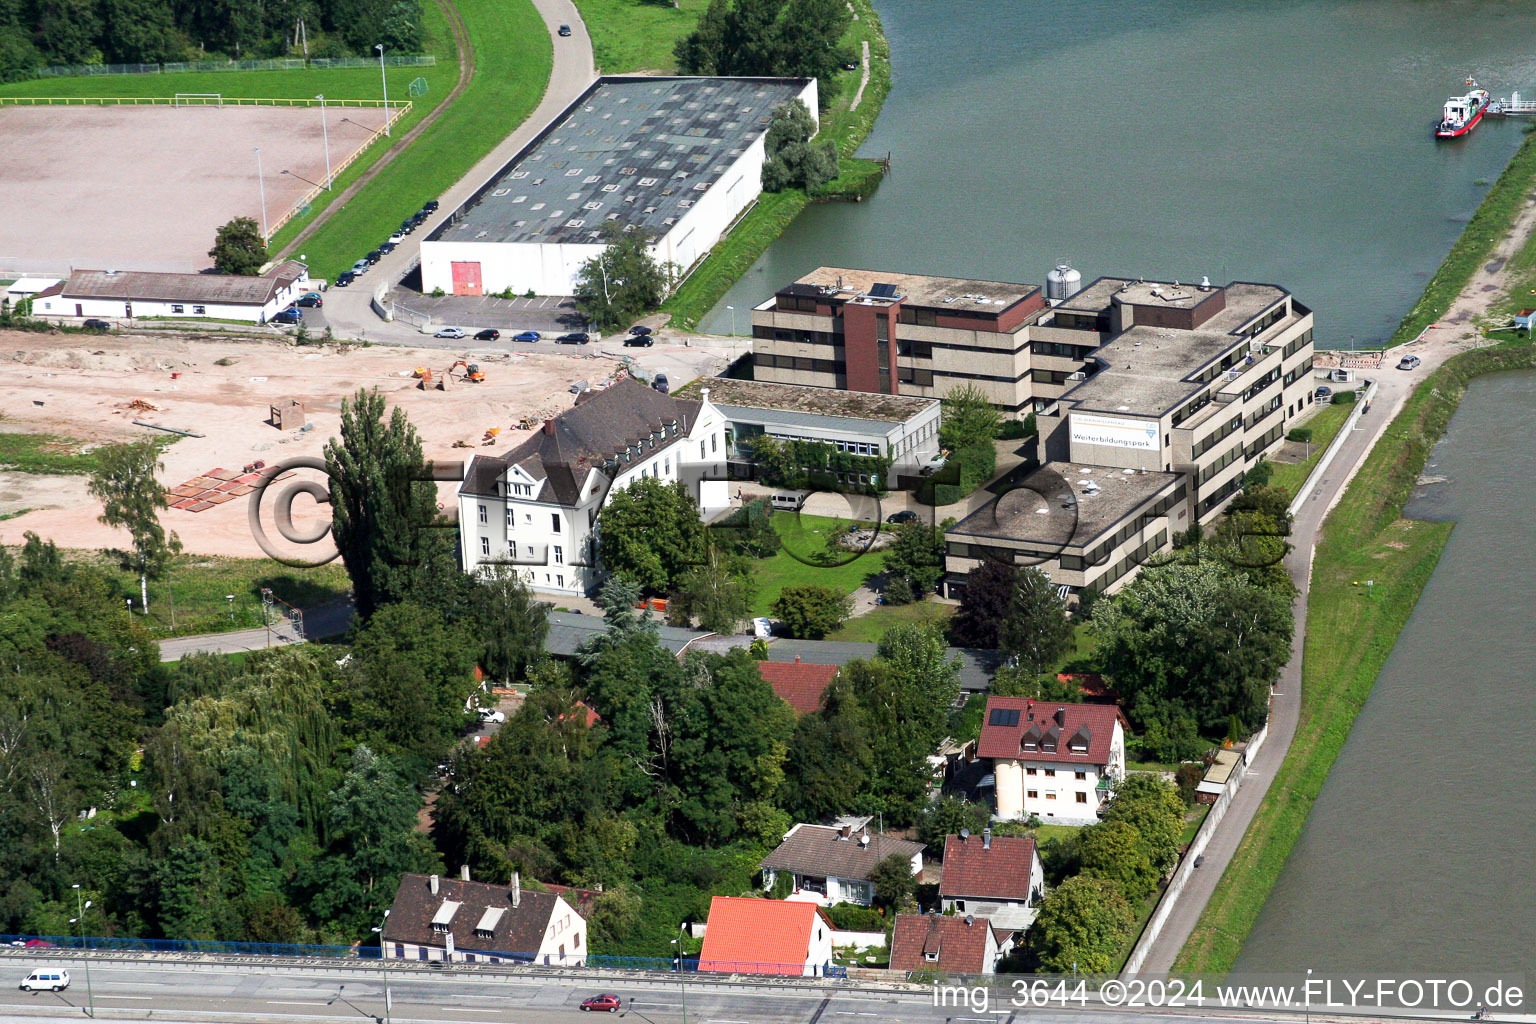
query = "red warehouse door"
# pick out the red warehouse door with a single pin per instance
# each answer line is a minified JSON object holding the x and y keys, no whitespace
{"x":466,"y":279}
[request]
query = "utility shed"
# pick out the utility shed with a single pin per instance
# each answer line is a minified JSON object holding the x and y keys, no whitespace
{"x":287,"y":414}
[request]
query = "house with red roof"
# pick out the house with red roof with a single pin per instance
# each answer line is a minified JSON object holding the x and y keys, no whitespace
{"x":999,"y":878}
{"x":799,"y":684}
{"x":756,"y":936}
{"x":1058,"y":761}
{"x":964,"y":944}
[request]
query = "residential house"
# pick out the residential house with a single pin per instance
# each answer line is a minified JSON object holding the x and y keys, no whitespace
{"x":125,"y":294}
{"x":456,"y":919}
{"x":833,"y":863}
{"x":954,"y":944}
{"x":1058,"y":761}
{"x":535,"y":508}
{"x":799,"y":684}
{"x":999,"y":878}
{"x":755,"y":936}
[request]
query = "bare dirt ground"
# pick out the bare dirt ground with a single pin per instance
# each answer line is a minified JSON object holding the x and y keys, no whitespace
{"x":145,"y":188}
{"x":83,"y":391}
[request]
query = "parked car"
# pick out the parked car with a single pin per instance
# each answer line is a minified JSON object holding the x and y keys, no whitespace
{"x":492,"y":715}
{"x":360,"y":268}
{"x":660,"y":383}
{"x":489,"y":334}
{"x":310,"y":302}
{"x":607,"y":1001}
{"x":640,"y":340}
{"x":373,"y":257}
{"x":1323,"y":392}
{"x":580,"y":386}
{"x":407,"y":226}
{"x":345,"y":278}
{"x":386,"y":248}
{"x":851,"y":65}
{"x":397,"y":238}
{"x":641,"y":331}
{"x":906,"y":515}
{"x":287,"y":316}
{"x":52,"y":979}
{"x":96,"y":325}
{"x":574,"y":338}
{"x":527,"y":336}
{"x":430,"y":206}
{"x":451,"y":332}
{"x":565,"y":30}
{"x":1408,"y":363}
{"x":418,"y":219}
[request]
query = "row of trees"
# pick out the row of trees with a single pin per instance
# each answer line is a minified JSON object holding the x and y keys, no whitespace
{"x":782,"y":38}
{"x":39,"y":33}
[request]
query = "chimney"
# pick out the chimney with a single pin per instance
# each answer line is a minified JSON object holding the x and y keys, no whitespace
{"x":797,"y":659}
{"x":1061,"y":716}
{"x":517,"y":889}
{"x":549,"y":427}
{"x":703,"y":394}
{"x":986,"y":838}
{"x":464,"y":872}
{"x":432,"y":882}
{"x":845,"y":832}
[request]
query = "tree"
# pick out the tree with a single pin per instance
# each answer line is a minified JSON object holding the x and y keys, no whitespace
{"x":892,"y":882}
{"x":714,"y":595}
{"x":946,"y":817}
{"x":1082,"y":926}
{"x":810,"y":612}
{"x":1251,"y":537}
{"x":131,"y":497}
{"x":702,"y":51}
{"x":1154,"y":808}
{"x":239,"y":248}
{"x":383,"y":505}
{"x":412,"y":676}
{"x":1036,"y":632}
{"x":914,"y":564}
{"x":624,"y":281}
{"x":650,"y":532}
{"x":829,"y":757}
{"x":967,"y":418}
{"x":791,"y":159}
{"x":1115,"y":850}
{"x":509,"y":623}
{"x":1021,"y":682}
{"x":984,"y":604}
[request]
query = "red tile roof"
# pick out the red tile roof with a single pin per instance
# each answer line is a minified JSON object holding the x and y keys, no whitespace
{"x":799,"y":684}
{"x":1002,"y":872}
{"x":752,"y":936}
{"x":1048,"y":724}
{"x":961,"y":947}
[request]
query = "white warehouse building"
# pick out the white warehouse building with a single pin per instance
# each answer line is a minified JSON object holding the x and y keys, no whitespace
{"x":678,"y":157}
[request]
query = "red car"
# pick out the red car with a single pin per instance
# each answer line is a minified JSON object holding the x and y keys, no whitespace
{"x":607,"y":1001}
{"x":39,"y":944}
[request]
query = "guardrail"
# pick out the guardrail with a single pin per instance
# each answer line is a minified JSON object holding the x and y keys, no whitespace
{"x":183,"y":101}
{"x":397,"y":111}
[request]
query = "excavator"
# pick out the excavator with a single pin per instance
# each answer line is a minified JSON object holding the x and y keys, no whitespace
{"x":427,"y":380}
{"x":472,"y":372}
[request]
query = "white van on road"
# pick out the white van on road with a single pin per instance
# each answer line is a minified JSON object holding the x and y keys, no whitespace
{"x":50,"y":979}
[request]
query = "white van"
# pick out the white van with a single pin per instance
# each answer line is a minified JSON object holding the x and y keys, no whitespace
{"x":51,"y":979}
{"x":786,"y":501}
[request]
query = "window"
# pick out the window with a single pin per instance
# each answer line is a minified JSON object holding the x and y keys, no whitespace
{"x":666,"y":465}
{"x":200,"y":309}
{"x":714,"y":442}
{"x":1050,"y":796}
{"x":482,"y":513}
{"x":701,"y":449}
{"x":512,"y":548}
{"x":1080,"y":776}
{"x":554,"y":521}
{"x":932,"y":958}
{"x":1082,"y":798}
{"x":1050,"y":772}
{"x":1030,"y":771}
{"x":177,"y":307}
{"x":559,"y":555}
{"x":485,"y":546}
{"x":1034,"y":794}
{"x":559,"y":581}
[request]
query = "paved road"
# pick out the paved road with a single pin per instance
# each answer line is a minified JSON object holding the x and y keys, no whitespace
{"x":348,"y":308}
{"x":320,"y":622}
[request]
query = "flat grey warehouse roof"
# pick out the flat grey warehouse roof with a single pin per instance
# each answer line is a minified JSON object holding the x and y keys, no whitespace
{"x":643,"y":148}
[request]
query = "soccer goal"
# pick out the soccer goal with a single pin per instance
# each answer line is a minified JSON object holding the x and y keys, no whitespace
{"x":418,"y":87}
{"x":199,"y":99}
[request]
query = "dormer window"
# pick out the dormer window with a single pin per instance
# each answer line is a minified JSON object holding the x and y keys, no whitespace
{"x":932,"y":958}
{"x":442,"y":921}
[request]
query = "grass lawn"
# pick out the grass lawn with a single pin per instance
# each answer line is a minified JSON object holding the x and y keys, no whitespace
{"x":52,"y":454}
{"x":637,"y":35}
{"x":871,"y":626}
{"x":805,"y":536}
{"x":192,"y":597}
{"x":1079,"y":657}
{"x":1325,"y":426}
{"x":1350,"y":633}
{"x":1192,"y":822}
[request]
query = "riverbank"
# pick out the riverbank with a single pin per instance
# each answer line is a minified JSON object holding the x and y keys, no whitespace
{"x":1353,"y":625}
{"x":766,"y":220}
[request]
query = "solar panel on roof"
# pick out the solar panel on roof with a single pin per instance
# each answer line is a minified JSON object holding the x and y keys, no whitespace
{"x":1004,"y":716}
{"x":883,"y":291}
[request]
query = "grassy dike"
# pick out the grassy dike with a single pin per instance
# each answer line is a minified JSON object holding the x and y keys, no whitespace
{"x":1351,"y":629}
{"x":764,"y":222}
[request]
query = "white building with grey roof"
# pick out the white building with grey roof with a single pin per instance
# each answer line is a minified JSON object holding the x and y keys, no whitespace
{"x":535,"y":509}
{"x":126,"y":294}
{"x":680,"y":158}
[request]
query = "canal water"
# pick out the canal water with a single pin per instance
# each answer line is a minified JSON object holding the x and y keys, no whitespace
{"x":1240,"y":139}
{"x":1418,"y":855}
{"x":1290,"y":143}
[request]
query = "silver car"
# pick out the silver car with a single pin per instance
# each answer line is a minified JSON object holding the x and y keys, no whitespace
{"x":451,"y":332}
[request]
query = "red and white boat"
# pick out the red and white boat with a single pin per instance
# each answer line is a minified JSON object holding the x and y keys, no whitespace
{"x":1462,"y":113}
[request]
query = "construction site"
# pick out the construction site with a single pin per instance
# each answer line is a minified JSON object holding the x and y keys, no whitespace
{"x":236,"y":408}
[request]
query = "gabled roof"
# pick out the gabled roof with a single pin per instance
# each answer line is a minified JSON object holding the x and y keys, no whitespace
{"x":1013,"y":722}
{"x":752,"y":936}
{"x":799,"y":684}
{"x":223,"y":289}
{"x":960,"y":943}
{"x":627,"y":416}
{"x":973,"y":870}
{"x":569,"y":630}
{"x":466,"y":906}
{"x":825,"y":850}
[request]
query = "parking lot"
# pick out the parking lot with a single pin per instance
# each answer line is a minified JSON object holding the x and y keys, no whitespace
{"x":547,"y":314}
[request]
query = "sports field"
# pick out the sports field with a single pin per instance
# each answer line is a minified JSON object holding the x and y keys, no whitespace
{"x":146,"y":187}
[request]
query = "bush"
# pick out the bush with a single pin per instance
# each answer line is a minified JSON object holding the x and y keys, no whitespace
{"x":850,"y":917}
{"x":810,"y":612}
{"x":966,"y":469}
{"x":1345,"y":397}
{"x":1014,"y":430}
{"x":1303,"y":434}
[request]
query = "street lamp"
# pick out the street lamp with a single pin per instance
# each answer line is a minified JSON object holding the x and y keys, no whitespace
{"x":231,"y":599}
{"x":681,"y":985}
{"x":263,"y":186}
{"x":384,"y":964}
{"x":325,"y":135}
{"x":733,"y":318}
{"x":80,"y":921}
{"x":385,"y":80}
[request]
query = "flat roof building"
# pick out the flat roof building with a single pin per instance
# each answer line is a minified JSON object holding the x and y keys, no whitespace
{"x":677,"y":157}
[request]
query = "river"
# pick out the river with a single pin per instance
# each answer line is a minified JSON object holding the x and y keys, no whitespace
{"x":1261,"y":141}
{"x":1282,"y":142}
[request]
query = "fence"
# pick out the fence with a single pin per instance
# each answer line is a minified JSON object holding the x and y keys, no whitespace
{"x":398,"y":107}
{"x":198,"y":67}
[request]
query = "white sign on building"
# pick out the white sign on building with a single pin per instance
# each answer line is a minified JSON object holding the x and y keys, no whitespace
{"x":1115,"y":431}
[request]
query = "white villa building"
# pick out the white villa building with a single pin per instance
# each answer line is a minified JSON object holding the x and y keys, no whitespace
{"x":536,"y":508}
{"x":1058,"y":761}
{"x":116,"y":295}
